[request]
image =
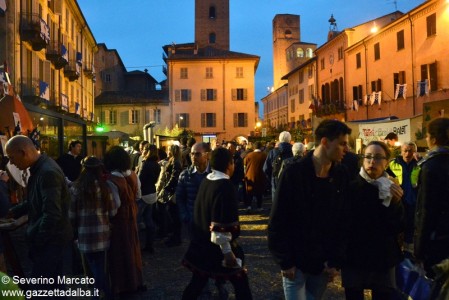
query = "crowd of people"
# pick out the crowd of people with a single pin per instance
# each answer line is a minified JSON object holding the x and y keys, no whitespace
{"x":332,"y":212}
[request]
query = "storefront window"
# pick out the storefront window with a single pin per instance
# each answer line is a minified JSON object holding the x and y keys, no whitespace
{"x":49,"y":132}
{"x":72,"y":131}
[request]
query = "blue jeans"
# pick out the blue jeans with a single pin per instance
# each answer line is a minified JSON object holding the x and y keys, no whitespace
{"x":305,"y":286}
{"x":145,"y":215}
{"x":97,"y":264}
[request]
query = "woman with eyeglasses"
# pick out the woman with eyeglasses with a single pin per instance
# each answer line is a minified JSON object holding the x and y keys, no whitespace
{"x":375,"y":219}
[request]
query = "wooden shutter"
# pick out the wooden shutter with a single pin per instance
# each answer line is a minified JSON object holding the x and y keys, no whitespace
{"x":245,"y":116}
{"x":236,"y":120}
{"x":433,"y":76}
{"x":203,"y":94}
{"x":203,"y":120}
{"x":177,"y":95}
{"x":234,"y":94}
{"x":245,"y":94}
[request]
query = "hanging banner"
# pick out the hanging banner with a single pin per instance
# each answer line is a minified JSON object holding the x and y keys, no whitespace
{"x":377,"y":131}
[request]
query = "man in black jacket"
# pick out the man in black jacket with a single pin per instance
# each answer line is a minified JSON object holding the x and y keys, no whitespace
{"x":47,"y":204}
{"x":307,"y":217}
{"x":70,"y":162}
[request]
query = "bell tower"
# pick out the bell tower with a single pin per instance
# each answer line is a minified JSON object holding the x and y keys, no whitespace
{"x":286,"y":31}
{"x":212,"y":23}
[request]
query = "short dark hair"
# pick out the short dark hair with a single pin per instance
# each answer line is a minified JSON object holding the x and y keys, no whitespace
{"x":439,"y":130}
{"x":183,"y":141}
{"x":191,"y":141}
{"x":74,"y":143}
{"x":391,"y":136}
{"x":116,"y":158}
{"x":220,"y":159}
{"x":382,"y":145}
{"x":331,"y":129}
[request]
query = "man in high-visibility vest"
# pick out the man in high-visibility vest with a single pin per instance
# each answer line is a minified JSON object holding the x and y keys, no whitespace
{"x":405,"y":169}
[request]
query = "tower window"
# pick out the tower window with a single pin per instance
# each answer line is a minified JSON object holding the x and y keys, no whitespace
{"x":288,"y":34}
{"x":212,"y":14}
{"x":212,"y":38}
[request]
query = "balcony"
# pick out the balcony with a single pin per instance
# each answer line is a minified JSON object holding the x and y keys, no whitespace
{"x":57,"y":54}
{"x":35,"y":91}
{"x":89,"y":70}
{"x":72,"y":70}
{"x":333,"y":108}
{"x":34,"y":30}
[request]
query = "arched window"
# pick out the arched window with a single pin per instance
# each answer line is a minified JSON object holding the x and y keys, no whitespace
{"x":288,"y":34}
{"x":212,"y":38}
{"x":212,"y":14}
{"x":309,"y":52}
{"x":299,"y":52}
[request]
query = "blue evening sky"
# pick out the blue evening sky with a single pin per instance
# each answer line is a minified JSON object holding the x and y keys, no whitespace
{"x":138,"y":29}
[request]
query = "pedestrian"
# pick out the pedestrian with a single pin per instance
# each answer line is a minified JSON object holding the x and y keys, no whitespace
{"x":305,"y":229}
{"x":70,"y":162}
{"x":405,"y":169}
{"x":125,"y":258}
{"x":298,"y":150}
{"x":189,"y":183}
{"x":91,"y":209}
{"x":148,"y":176}
{"x":135,"y":155}
{"x":375,"y":220}
{"x":432,"y":210}
{"x":273,"y":163}
{"x":391,"y":139}
{"x":239,"y":170}
{"x":47,"y":203}
{"x":167,"y":199}
{"x":255,"y":179}
{"x":5,"y":204}
{"x":214,"y":251}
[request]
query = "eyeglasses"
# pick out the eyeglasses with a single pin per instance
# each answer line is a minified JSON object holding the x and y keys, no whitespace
{"x":197,"y":154}
{"x":376,"y":158}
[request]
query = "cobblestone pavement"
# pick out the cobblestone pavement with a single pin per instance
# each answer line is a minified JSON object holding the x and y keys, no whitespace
{"x":165,"y":278}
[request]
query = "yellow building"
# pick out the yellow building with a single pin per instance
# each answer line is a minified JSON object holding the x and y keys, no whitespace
{"x":127,"y":101}
{"x":211,"y":89}
{"x":49,"y":50}
{"x":405,"y":60}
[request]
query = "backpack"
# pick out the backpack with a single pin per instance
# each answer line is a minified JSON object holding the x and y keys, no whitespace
{"x":276,"y":165}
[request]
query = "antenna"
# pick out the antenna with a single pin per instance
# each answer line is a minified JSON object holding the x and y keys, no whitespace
{"x":395,"y":2}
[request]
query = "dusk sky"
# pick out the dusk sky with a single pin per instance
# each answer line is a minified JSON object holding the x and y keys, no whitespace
{"x":138,"y":29}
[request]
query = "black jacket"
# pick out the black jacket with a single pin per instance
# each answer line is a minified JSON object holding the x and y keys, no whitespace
{"x":372,"y":241}
{"x":432,"y":209}
{"x":70,"y":165}
{"x":304,"y":231}
{"x":148,"y":176}
{"x":47,"y":205}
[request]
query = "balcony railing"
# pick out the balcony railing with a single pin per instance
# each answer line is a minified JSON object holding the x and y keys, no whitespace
{"x":72,"y":70}
{"x":30,"y":91}
{"x":34,"y":30}
{"x":57,"y":54}
{"x":89,"y":70}
{"x":330,"y":109}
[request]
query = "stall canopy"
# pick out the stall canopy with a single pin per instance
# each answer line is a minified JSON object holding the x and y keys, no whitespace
{"x":14,"y":118}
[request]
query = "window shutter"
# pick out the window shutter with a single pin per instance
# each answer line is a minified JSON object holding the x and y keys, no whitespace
{"x":187,"y":120}
{"x":147,"y":116}
{"x":177,"y":95}
{"x":189,"y":95}
{"x":130,"y":116}
{"x":234,"y":94}
{"x":236,"y":120}
{"x":103,"y":117}
{"x":433,"y":76}
{"x":203,"y":94}
{"x":214,"y":120}
{"x":402,"y":77}
{"x":245,"y":94}
{"x":106,"y":116}
{"x":177,"y":119}
{"x":215,"y":94}
{"x":245,"y":115}
{"x":203,"y":120}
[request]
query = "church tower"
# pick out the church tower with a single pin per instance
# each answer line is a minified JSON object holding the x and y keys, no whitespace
{"x":286,"y":31}
{"x":212,"y":23}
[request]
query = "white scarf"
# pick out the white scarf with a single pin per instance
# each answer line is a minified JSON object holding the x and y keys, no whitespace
{"x":382,"y":183}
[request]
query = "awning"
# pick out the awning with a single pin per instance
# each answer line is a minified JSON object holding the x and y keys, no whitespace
{"x":14,"y":114}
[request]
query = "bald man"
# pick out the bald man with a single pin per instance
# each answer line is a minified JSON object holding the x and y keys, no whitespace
{"x":49,"y":232}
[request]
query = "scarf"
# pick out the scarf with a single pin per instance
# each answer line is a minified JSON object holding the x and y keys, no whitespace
{"x":382,"y":183}
{"x":217,"y":175}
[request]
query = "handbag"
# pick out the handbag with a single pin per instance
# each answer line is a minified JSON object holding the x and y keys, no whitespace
{"x":150,"y":198}
{"x":411,"y":283}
